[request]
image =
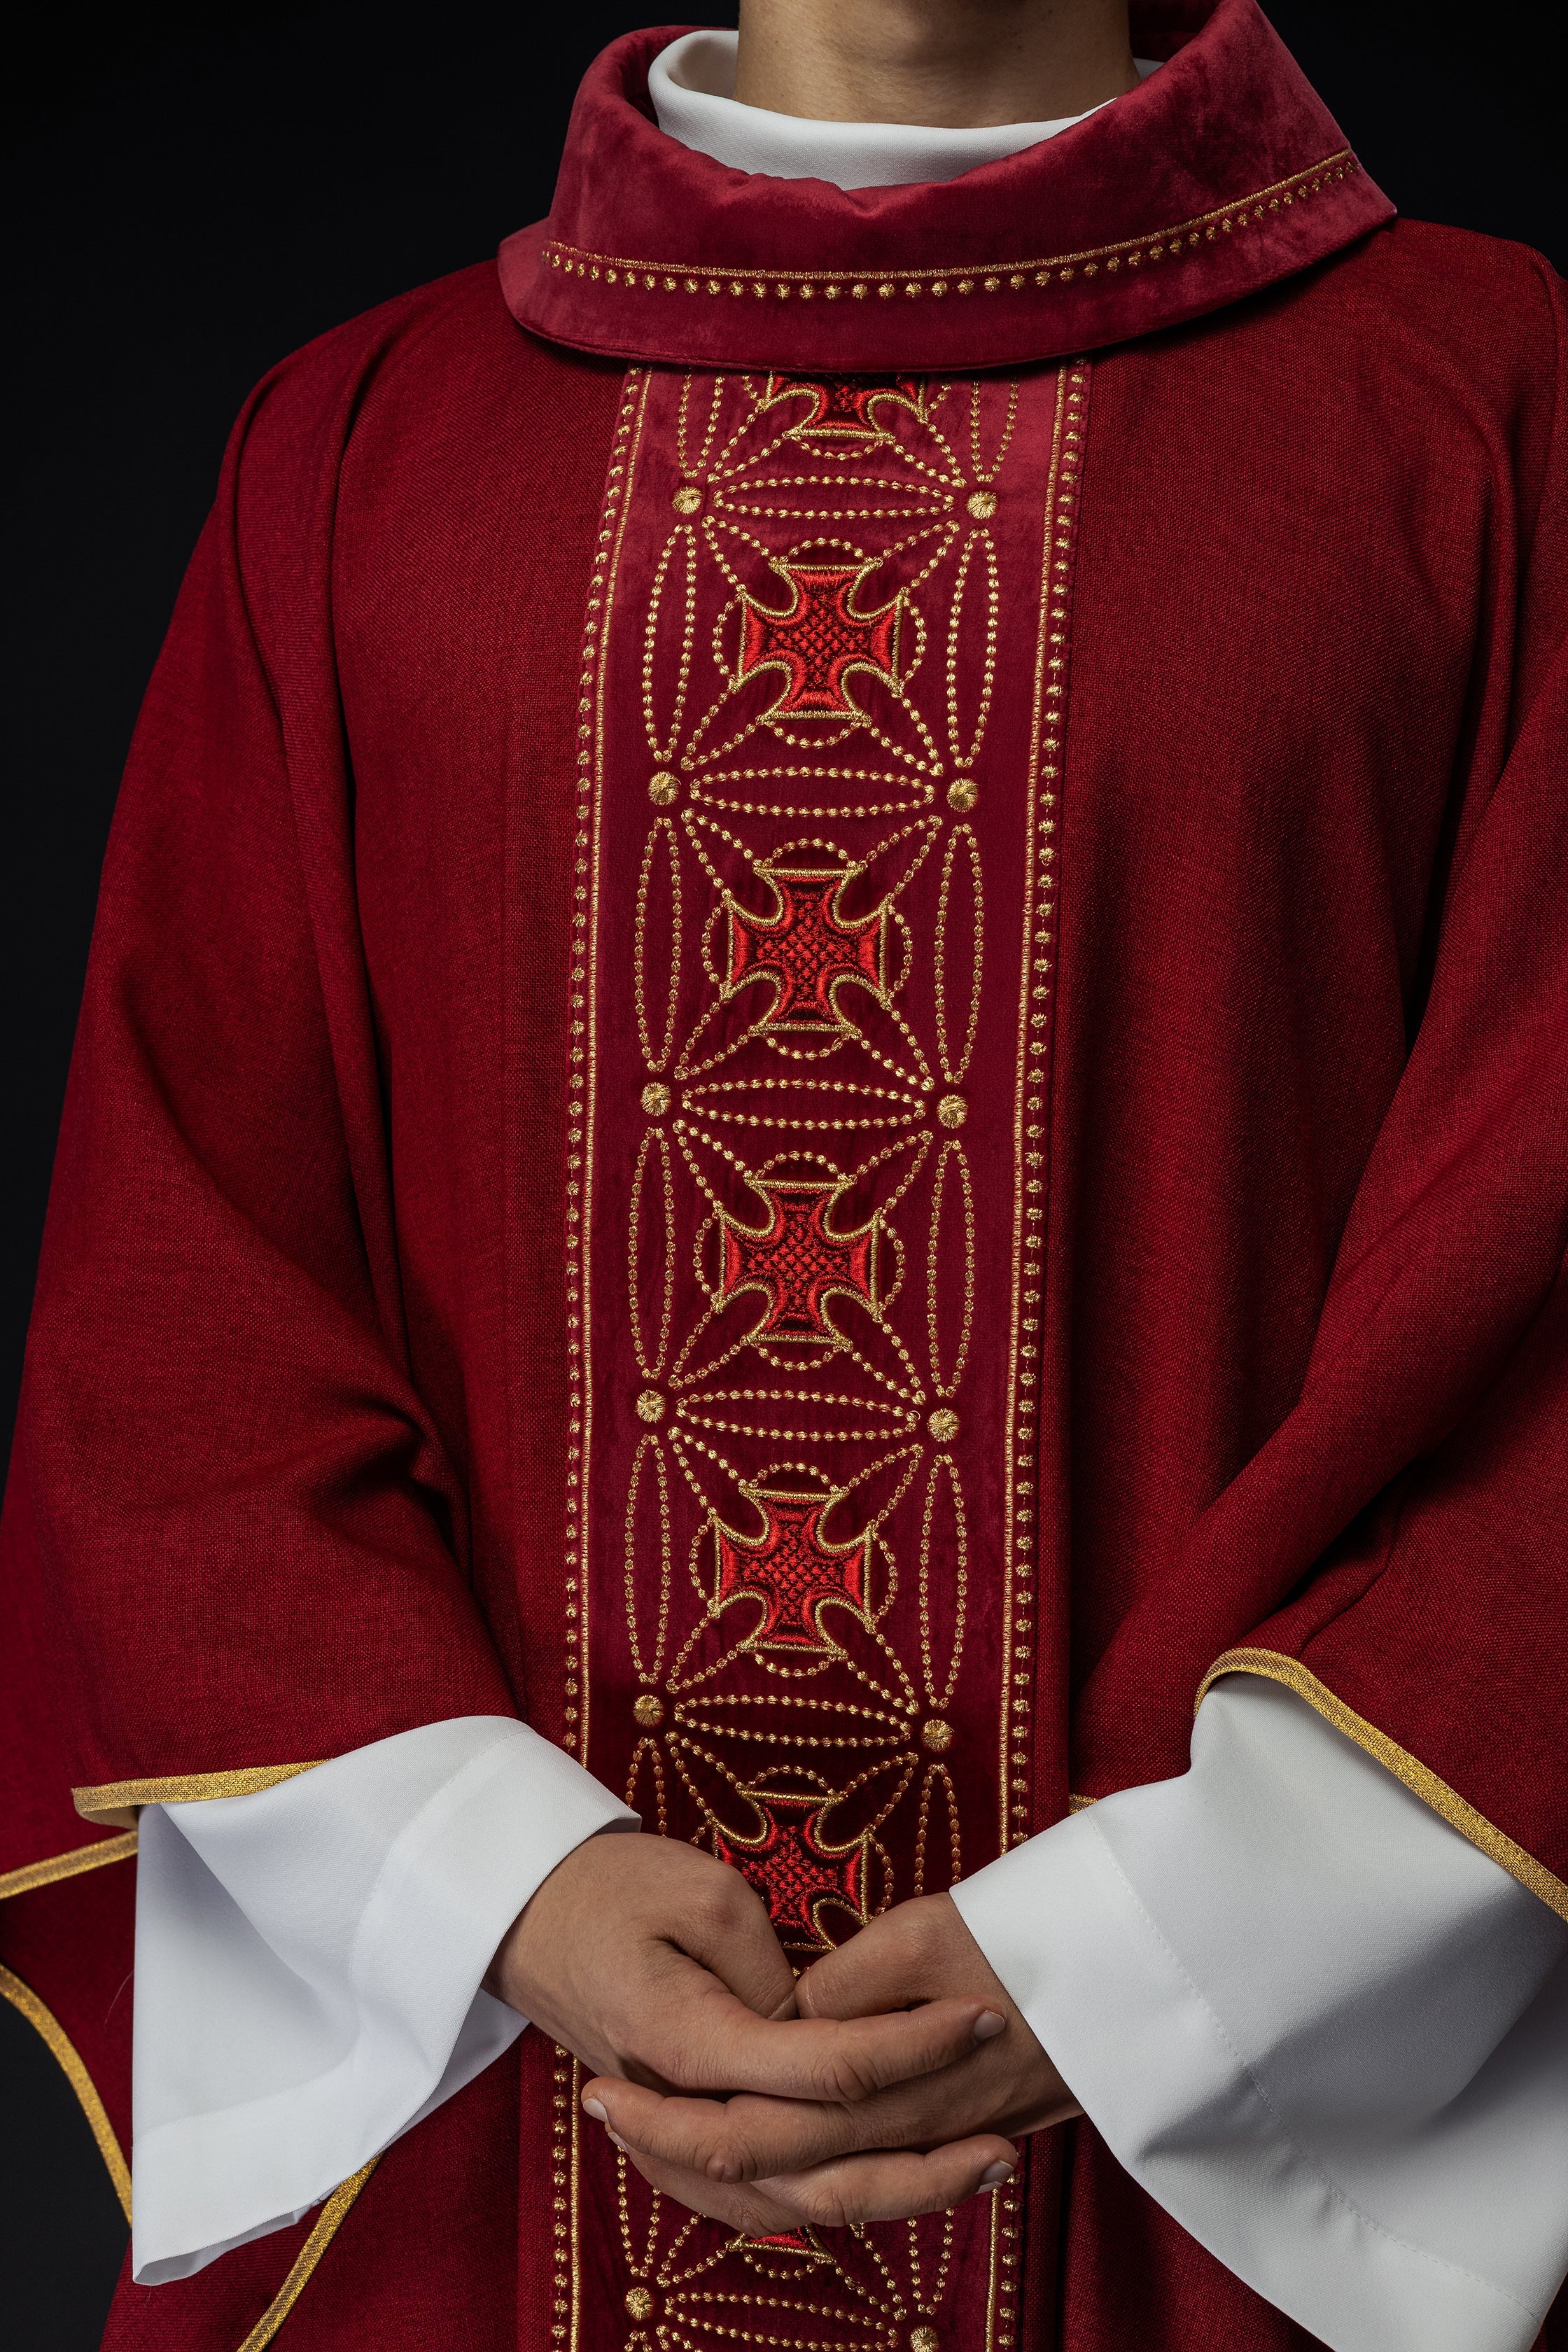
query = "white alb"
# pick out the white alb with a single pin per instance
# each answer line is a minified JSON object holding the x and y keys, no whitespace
{"x":692,"y":86}
{"x":308,"y":1968}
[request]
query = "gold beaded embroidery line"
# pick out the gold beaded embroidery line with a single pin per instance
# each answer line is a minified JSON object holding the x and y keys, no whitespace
{"x":582,"y":1089}
{"x":945,"y":1380}
{"x":1030,"y":1102}
{"x":1186,"y":240}
{"x":651,"y":1361}
{"x":1014,"y":1759}
{"x":954,"y":1067}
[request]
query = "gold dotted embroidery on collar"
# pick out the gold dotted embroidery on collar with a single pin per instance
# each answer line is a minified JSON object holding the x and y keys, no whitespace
{"x":1205,"y":230}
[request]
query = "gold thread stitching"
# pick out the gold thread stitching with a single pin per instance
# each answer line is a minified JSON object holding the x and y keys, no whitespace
{"x":1029,"y":1123}
{"x":117,"y":1802}
{"x":1416,"y":1775}
{"x":582,"y":1062}
{"x":939,"y":1699}
{"x":327,"y":2223}
{"x":951,"y":1156}
{"x":66,"y":2055}
{"x":1195,"y":235}
{"x":651,"y":1361}
{"x":566,"y":2281}
{"x":661,"y":834}
{"x":67,"y":1865}
{"x":650,"y":1673}
{"x":954,"y":1067}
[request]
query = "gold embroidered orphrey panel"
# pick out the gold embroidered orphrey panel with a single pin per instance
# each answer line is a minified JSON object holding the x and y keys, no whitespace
{"x":824,"y":679}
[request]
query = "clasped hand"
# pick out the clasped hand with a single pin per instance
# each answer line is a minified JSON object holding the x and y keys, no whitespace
{"x":894,"y":2079}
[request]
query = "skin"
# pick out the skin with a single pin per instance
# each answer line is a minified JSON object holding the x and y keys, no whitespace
{"x":771,"y":2163}
{"x":897,"y":2076}
{"x":954,"y":64}
{"x":890,"y":2081}
{"x":656,"y":1966}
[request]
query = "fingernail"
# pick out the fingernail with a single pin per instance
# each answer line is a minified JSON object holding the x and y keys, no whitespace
{"x":994,"y":2175}
{"x":988,"y":2025}
{"x":617,"y":2143}
{"x":598,"y":2109}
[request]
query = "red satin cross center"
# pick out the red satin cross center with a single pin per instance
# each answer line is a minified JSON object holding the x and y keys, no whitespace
{"x":792,"y":1873}
{"x":798,"y":1261}
{"x":805,"y":949}
{"x":819,"y":640}
{"x":793,"y":1570}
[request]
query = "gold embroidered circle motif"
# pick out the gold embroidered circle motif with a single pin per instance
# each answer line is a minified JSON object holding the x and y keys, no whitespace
{"x":924,"y":2339}
{"x":952,"y":1110}
{"x":943,"y":1425}
{"x":981,"y":505}
{"x":963,"y":792}
{"x":639,"y":2304}
{"x":656,"y":1099}
{"x":648,"y":1709}
{"x":687,"y":500}
{"x":662,"y":788}
{"x":651,"y":1405}
{"x":938,"y":1735}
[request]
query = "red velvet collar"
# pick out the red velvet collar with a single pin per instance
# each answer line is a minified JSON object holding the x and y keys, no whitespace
{"x":1219,"y":175}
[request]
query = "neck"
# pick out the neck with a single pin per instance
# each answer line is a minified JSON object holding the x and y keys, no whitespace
{"x":950,"y":64}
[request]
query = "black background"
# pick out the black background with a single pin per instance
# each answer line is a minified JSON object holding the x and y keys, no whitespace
{"x":188,"y":198}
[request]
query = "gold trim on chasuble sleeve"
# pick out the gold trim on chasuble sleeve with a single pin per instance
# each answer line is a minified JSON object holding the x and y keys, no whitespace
{"x":64,"y":2050}
{"x":1424,"y":1783}
{"x":42,"y":2019}
{"x":116,"y":1803}
{"x":66,"y":2054}
{"x":823,"y":695}
{"x":67,"y":1865}
{"x":327,"y":2223}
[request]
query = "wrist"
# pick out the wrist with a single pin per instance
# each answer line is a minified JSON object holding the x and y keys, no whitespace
{"x":543,"y":1924}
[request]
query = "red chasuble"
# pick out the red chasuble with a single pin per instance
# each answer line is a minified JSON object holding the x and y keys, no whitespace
{"x":826,"y":1044}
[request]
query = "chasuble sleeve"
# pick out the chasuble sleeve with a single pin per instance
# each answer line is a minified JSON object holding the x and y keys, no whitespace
{"x":248,"y":1535}
{"x":1392,"y":1552}
{"x":1391,"y":1557}
{"x":1430,"y":1445}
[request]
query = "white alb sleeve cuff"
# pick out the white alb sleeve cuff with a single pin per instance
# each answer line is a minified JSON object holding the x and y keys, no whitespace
{"x":1327,"y":2034}
{"x":308,"y":1966}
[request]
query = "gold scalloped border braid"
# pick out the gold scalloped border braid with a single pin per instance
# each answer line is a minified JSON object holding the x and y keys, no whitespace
{"x":115,"y":1803}
{"x":67,"y":1865}
{"x":329,"y":2221}
{"x":1405,"y":1766}
{"x":44,"y":2021}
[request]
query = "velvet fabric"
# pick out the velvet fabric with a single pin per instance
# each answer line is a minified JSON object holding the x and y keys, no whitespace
{"x":1221,"y":173}
{"x":291,"y":1473}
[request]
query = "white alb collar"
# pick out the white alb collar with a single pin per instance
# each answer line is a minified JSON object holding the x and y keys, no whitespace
{"x":692,"y":86}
